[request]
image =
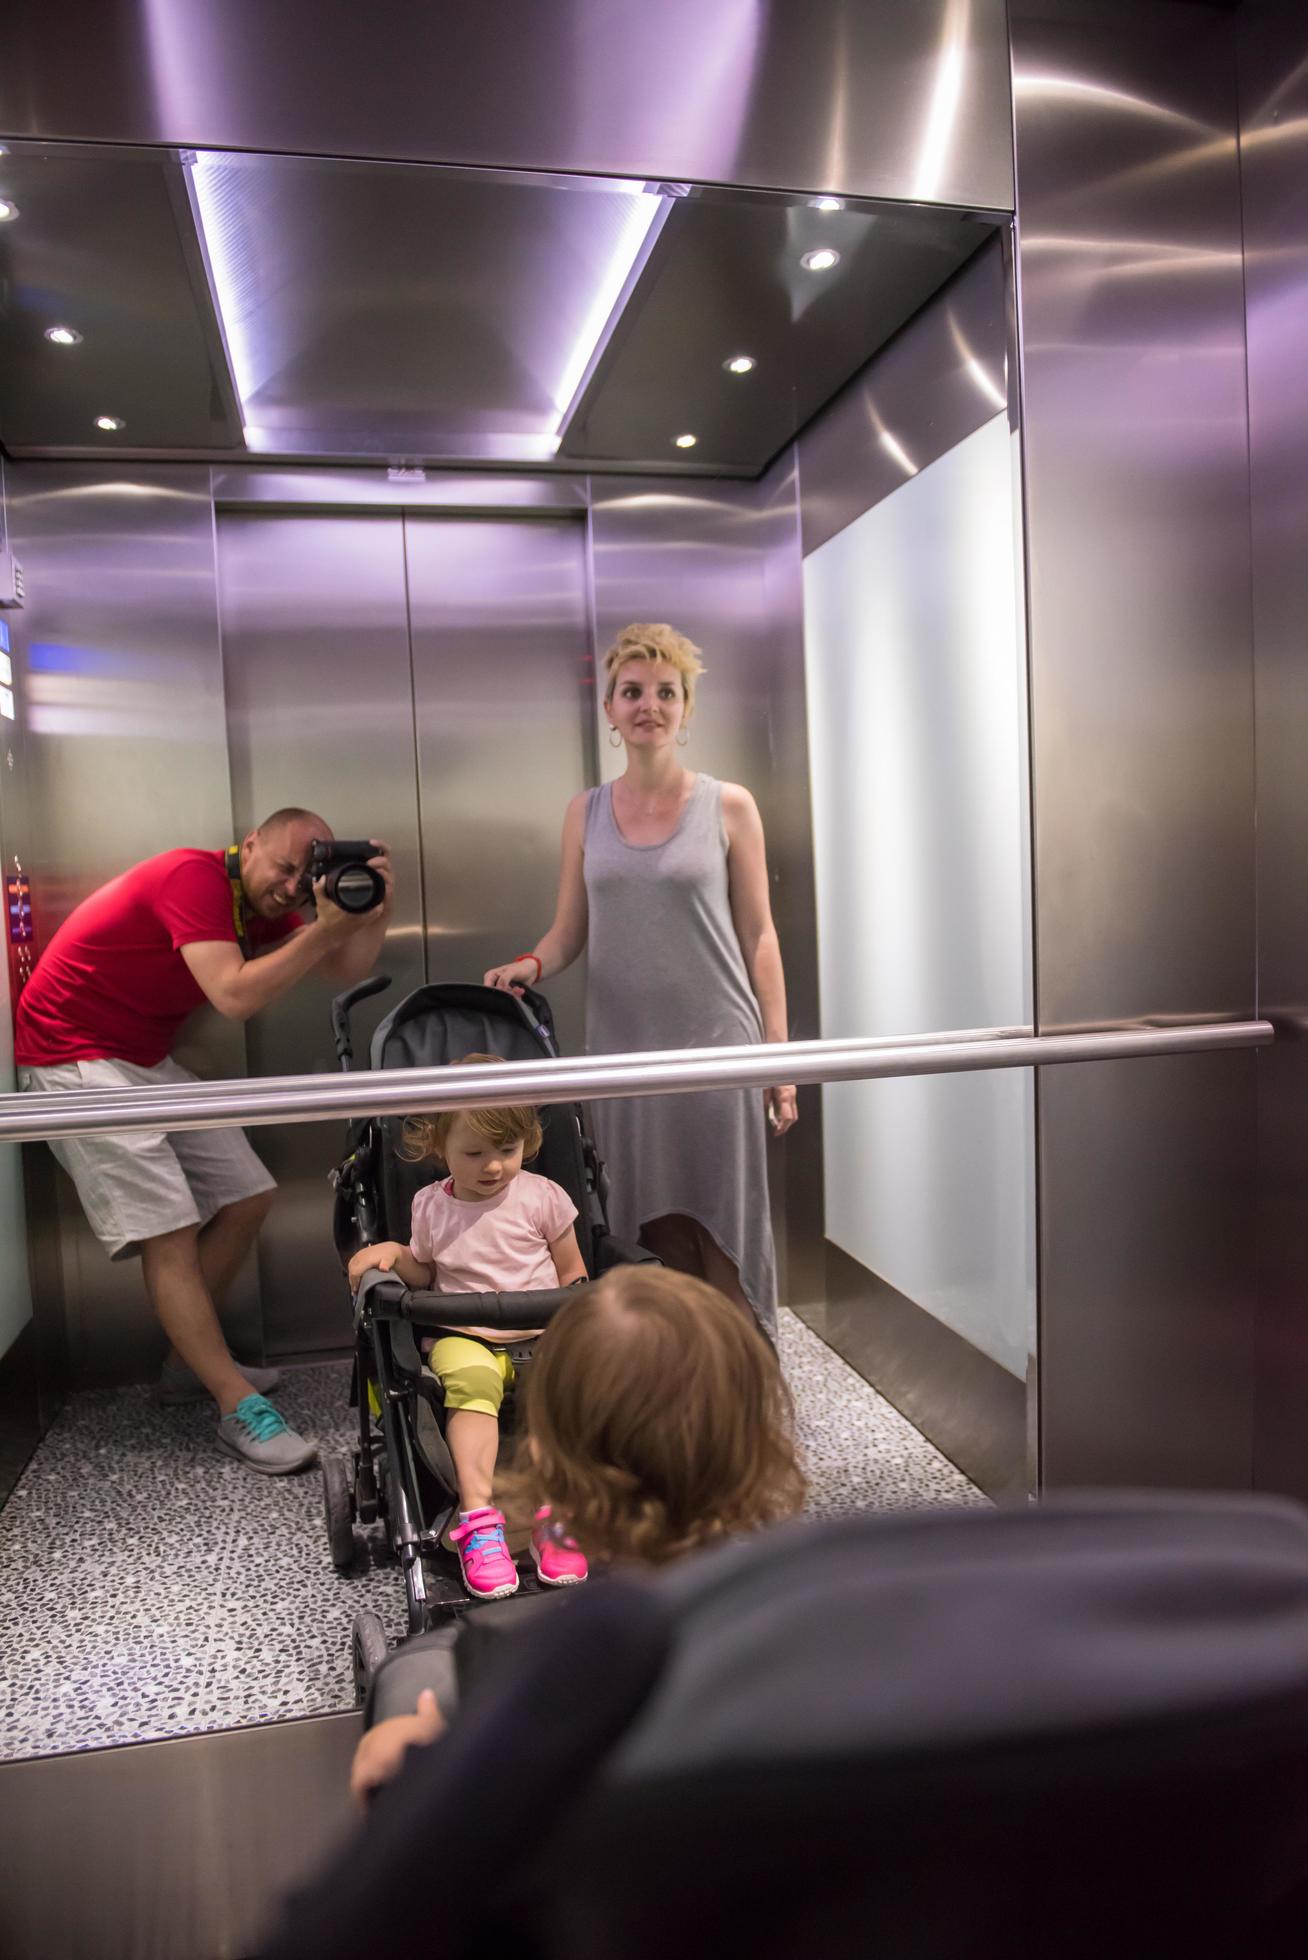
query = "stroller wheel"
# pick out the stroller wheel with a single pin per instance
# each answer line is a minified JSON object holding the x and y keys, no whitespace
{"x":338,"y":1507}
{"x":368,"y":1650}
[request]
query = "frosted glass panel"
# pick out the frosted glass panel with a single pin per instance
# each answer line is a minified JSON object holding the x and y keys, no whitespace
{"x":917,"y":720}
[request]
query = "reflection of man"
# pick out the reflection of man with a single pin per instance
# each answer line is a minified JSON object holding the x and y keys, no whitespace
{"x":102,"y":1010}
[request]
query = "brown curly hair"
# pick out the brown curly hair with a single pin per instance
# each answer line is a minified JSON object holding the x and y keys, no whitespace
{"x":657,"y":1420}
{"x":424,"y":1138}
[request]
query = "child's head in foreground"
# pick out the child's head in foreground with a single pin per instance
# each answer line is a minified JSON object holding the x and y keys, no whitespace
{"x":658,"y":1419}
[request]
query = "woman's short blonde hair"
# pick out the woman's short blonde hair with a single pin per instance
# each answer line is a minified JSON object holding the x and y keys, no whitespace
{"x":655,"y":643}
{"x":424,"y":1138}
{"x":657,"y":1420}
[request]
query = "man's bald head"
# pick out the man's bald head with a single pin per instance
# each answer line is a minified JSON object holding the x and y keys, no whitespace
{"x":274,"y":858}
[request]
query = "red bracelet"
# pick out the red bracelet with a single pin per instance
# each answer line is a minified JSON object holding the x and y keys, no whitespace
{"x":531,"y":956}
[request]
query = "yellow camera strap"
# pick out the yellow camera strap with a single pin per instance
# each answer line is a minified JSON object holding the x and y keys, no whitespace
{"x":238,"y":895}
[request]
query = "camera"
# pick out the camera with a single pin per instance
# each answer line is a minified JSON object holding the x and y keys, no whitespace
{"x":350,"y":880}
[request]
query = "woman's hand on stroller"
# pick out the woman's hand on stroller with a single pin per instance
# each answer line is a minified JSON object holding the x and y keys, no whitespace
{"x":382,"y":1749}
{"x":515,"y":976}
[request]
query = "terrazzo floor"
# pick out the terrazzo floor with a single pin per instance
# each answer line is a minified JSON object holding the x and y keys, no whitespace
{"x":151,"y":1587}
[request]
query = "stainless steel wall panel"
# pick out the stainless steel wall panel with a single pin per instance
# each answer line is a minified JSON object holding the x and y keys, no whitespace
{"x":1142,"y":753}
{"x":124,"y":755}
{"x":1134,"y":410}
{"x":319,"y":707}
{"x":721,"y":562}
{"x":1273,"y":70}
{"x":938,"y":380}
{"x":187,"y":1847}
{"x":504,"y":715}
{"x":886,"y":101}
{"x":1146,"y":1345}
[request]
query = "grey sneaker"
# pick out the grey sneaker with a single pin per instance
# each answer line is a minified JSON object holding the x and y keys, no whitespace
{"x":177,"y":1383}
{"x":256,"y":1434}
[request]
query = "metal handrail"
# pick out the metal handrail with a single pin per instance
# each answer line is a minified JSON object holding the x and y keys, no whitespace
{"x":257,"y":1101}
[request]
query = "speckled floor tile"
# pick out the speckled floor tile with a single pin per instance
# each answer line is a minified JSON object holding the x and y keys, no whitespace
{"x":151,"y":1587}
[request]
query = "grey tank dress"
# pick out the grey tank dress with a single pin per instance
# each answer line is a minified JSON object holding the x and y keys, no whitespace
{"x":665,"y":970}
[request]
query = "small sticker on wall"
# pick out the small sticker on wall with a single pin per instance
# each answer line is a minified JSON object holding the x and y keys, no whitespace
{"x":7,"y":708}
{"x":6,"y":671}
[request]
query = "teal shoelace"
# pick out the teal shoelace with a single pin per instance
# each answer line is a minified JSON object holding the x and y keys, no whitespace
{"x":258,"y":1418}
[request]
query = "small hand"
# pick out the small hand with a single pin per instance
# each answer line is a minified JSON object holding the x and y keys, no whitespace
{"x":372,"y":1258}
{"x":511,"y":978}
{"x":782,"y":1108}
{"x":382,"y":1750}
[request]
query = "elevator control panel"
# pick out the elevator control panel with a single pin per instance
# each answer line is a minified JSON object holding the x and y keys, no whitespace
{"x":22,"y":932}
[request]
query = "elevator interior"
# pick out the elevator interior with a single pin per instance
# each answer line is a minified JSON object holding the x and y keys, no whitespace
{"x":344,"y":480}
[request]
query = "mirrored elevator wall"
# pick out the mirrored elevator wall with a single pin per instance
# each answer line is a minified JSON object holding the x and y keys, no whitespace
{"x":423,"y":672}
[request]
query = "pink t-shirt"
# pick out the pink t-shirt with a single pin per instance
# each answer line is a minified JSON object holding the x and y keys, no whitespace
{"x":497,"y":1245}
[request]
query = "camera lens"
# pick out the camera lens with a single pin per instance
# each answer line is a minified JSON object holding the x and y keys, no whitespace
{"x":355,"y":888}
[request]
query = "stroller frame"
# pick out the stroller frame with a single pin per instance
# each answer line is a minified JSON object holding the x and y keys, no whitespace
{"x":389,"y":1484}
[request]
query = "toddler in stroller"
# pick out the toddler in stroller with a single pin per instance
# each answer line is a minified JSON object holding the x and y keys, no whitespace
{"x":489,"y":1226}
{"x":399,"y":1491}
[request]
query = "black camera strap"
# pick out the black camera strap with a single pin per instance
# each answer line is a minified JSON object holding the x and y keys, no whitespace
{"x":238,"y":897}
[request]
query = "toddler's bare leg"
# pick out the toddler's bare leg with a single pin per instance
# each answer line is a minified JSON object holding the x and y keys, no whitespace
{"x":474,"y":1440}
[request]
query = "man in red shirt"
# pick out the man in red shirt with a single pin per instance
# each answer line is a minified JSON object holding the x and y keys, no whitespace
{"x":102,"y":1010}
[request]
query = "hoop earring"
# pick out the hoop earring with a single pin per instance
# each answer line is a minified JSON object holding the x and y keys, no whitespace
{"x":615,"y":740}
{"x":683,"y":737}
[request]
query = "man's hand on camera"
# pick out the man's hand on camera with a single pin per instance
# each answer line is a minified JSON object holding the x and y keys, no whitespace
{"x":335,"y":925}
{"x":382,"y":864}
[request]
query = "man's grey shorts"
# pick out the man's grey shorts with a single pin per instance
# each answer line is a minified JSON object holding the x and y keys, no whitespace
{"x":140,"y":1183}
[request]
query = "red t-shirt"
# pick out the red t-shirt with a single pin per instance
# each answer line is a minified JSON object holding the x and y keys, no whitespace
{"x":112,"y":981}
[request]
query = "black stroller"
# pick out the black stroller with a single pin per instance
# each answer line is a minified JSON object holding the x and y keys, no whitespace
{"x":401,"y":1481}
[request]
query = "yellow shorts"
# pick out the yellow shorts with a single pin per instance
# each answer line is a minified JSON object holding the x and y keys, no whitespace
{"x":473,"y":1375}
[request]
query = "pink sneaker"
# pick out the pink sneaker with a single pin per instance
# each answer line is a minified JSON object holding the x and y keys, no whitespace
{"x":488,"y":1571}
{"x":559,"y":1561}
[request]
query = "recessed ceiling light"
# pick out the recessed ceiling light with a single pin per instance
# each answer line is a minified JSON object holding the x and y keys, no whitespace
{"x":8,"y":210}
{"x":827,"y":203}
{"x":110,"y":423}
{"x":821,"y":260}
{"x":685,"y":442}
{"x":63,"y":336}
{"x":740,"y":364}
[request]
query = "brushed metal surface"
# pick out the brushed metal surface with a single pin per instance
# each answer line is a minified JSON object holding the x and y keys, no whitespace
{"x":503,"y":701}
{"x":666,"y":1072}
{"x":883,"y":101}
{"x":184,"y":1848}
{"x":1142,"y":748}
{"x":125,"y":755}
{"x":973,"y":1410}
{"x":1273,"y":68}
{"x":319,"y":713}
{"x":721,"y":562}
{"x":1146,"y":1344}
{"x":934,"y":384}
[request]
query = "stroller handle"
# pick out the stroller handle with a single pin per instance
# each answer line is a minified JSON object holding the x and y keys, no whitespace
{"x":341,"y":1008}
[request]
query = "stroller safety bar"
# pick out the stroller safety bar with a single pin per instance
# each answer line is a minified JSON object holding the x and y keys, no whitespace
{"x":387,"y":1298}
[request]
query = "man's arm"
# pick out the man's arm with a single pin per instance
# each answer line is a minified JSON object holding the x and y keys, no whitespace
{"x":239,"y":987}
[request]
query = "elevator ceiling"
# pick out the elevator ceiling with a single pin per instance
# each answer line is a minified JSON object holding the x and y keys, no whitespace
{"x":311,"y":308}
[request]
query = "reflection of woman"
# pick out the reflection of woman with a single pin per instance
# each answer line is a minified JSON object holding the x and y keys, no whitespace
{"x":664,"y":884}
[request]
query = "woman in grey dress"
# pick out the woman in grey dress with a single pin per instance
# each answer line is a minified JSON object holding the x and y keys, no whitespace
{"x":664,"y":885}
